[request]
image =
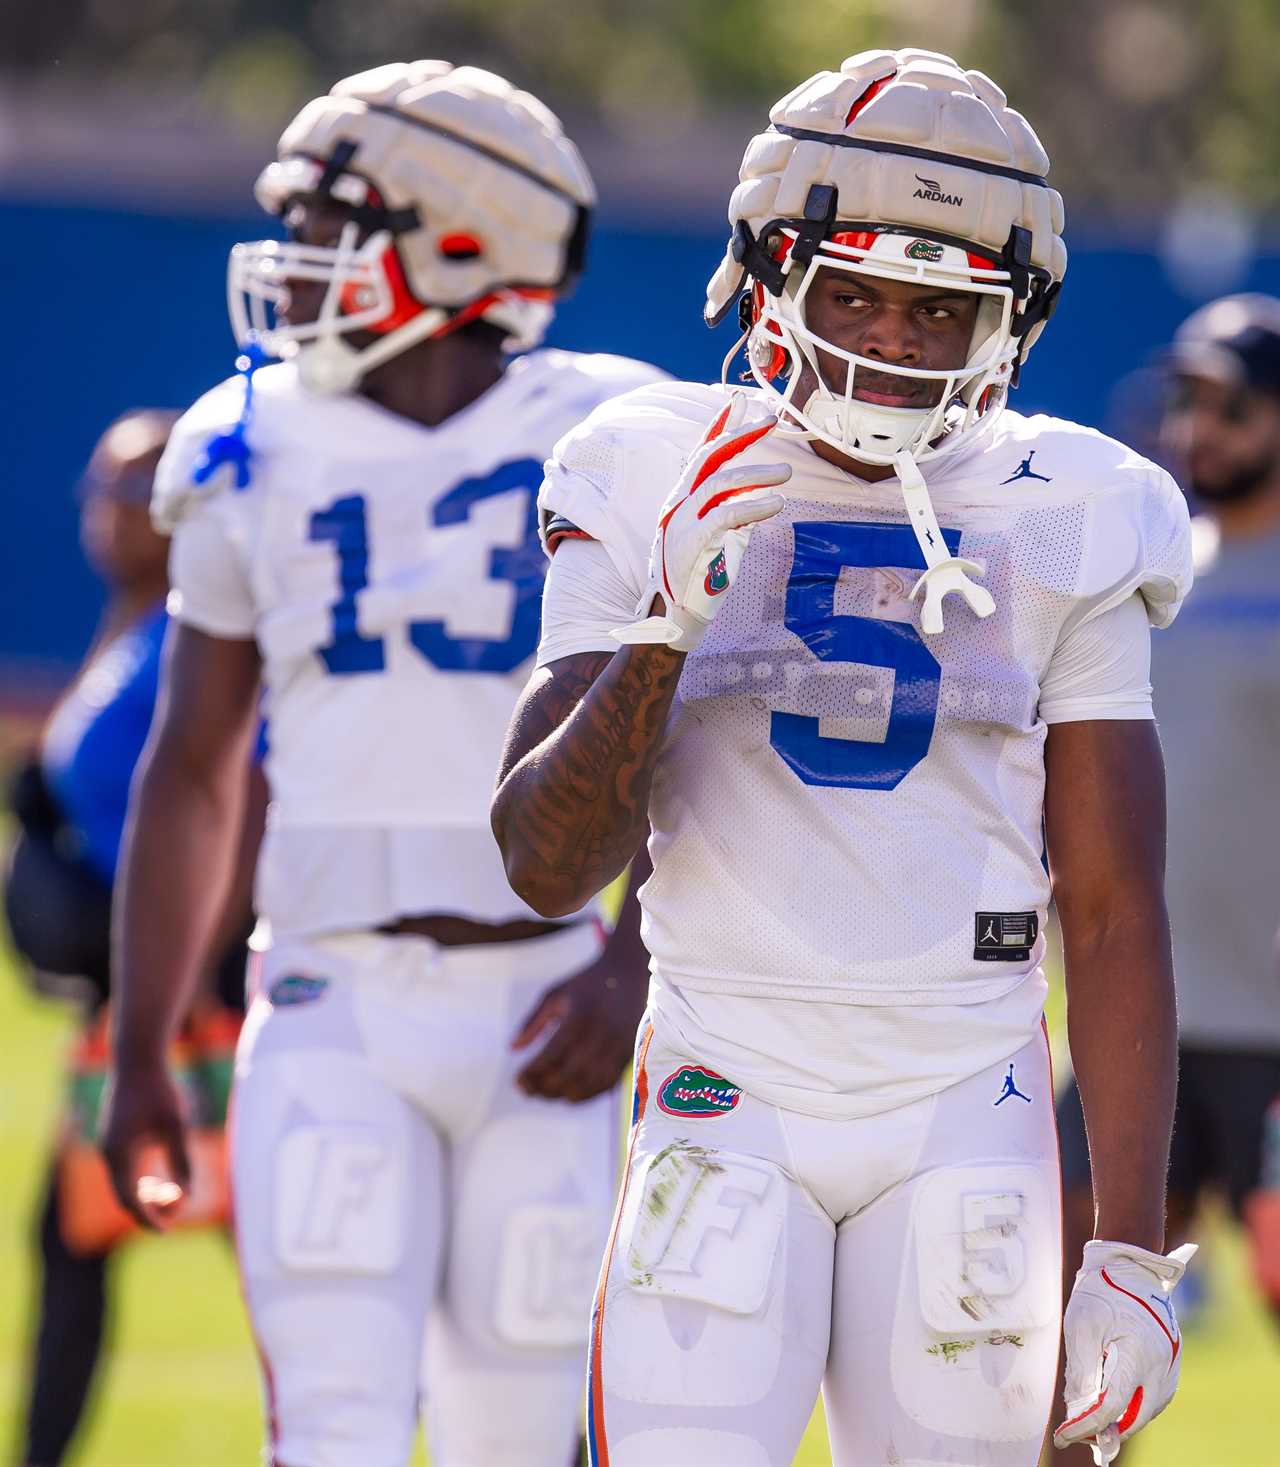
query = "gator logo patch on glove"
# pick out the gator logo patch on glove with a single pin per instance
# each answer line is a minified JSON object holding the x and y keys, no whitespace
{"x":695,"y":1091}
{"x":296,"y":988}
{"x":717,"y":576}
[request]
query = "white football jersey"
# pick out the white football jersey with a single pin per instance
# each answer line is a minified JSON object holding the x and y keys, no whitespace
{"x":845,"y":809}
{"x":391,"y":576}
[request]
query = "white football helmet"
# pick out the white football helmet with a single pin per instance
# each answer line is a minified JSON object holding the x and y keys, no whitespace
{"x":473,"y":202}
{"x":901,"y":166}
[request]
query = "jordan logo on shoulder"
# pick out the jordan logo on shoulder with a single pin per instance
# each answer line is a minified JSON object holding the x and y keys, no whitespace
{"x":1010,"y":1090}
{"x":1025,"y":471}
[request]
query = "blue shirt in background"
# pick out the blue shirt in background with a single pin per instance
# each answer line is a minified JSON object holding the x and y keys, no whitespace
{"x":96,"y":735}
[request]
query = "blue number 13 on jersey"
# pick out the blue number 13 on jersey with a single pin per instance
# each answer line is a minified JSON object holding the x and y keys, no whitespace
{"x":823,"y":548}
{"x":522,"y":566}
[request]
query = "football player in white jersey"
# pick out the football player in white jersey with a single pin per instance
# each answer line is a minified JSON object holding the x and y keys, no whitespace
{"x":354,"y":529}
{"x":848,"y":638}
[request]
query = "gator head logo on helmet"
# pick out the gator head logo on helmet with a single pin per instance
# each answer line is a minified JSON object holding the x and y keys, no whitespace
{"x":697,"y":1091}
{"x":924,"y":249}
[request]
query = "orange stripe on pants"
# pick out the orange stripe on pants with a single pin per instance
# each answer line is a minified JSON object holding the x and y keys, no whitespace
{"x":595,"y":1396}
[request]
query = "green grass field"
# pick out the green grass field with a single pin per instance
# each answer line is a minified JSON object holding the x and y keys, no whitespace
{"x":180,"y":1386}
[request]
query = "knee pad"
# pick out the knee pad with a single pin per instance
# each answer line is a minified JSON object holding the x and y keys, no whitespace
{"x":342,"y":1380}
{"x":699,"y":1262}
{"x":504,"y":1367}
{"x":688,"y":1447}
{"x":975,"y":1329}
{"x":501,"y":1416}
{"x":1262,"y":1223}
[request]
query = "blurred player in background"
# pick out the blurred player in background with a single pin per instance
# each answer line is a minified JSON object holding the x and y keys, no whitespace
{"x":844,"y":1169}
{"x":355,"y":528}
{"x":70,"y":802}
{"x":1218,"y":682}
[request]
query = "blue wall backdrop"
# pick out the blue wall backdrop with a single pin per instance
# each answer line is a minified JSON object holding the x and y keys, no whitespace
{"x":116,"y":309}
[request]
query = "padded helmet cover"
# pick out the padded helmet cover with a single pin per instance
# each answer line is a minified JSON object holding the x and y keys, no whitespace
{"x":909,"y":139}
{"x":472,"y":154}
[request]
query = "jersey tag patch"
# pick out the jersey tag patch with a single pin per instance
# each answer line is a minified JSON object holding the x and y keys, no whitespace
{"x":696,"y":1091}
{"x":1004,"y":937}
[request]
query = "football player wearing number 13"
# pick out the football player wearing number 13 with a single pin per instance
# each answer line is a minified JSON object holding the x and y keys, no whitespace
{"x":356,"y":527}
{"x":846,"y":701}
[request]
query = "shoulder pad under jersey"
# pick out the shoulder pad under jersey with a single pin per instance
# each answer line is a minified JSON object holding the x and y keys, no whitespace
{"x":1137,"y":534}
{"x":213,"y":445}
{"x":608,"y":477}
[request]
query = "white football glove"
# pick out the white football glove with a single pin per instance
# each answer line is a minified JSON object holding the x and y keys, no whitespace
{"x":1123,"y":1345}
{"x":703,"y":529}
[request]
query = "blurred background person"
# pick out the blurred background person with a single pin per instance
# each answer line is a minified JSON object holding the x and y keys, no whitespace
{"x":70,"y":796}
{"x":70,"y":800}
{"x":1217,"y":677}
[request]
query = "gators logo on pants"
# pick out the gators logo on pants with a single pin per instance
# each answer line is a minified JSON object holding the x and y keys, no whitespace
{"x":696,"y":1091}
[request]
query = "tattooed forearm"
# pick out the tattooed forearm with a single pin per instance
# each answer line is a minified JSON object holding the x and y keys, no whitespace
{"x":572,"y":805}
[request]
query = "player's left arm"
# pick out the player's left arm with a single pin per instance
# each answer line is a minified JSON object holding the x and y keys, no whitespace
{"x":237,"y":914}
{"x":593,"y":1016}
{"x":1105,"y":828}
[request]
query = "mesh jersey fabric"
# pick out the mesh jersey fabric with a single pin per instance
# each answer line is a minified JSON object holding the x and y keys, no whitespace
{"x":838,"y":797}
{"x":1101,"y":669}
{"x":391,"y":577}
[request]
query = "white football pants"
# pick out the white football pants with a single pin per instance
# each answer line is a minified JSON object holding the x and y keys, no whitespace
{"x":388,"y":1173}
{"x":906,"y":1263}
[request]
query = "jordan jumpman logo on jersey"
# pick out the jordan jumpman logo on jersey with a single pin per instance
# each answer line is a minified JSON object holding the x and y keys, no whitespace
{"x":1025,"y":471}
{"x":1010,"y":1090}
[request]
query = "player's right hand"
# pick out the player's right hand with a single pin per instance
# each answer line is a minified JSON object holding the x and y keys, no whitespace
{"x":143,"y":1138}
{"x":703,"y":529}
{"x":1123,"y":1346}
{"x":588,"y":1027}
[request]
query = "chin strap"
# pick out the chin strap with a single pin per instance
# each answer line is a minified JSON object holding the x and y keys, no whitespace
{"x":329,"y":365}
{"x":945,"y":573}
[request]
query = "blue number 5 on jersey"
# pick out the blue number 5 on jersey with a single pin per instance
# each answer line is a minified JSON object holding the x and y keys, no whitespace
{"x":822,"y":548}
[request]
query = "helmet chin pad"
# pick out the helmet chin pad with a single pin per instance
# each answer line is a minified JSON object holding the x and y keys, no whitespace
{"x":868,"y":428}
{"x":884,"y":431}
